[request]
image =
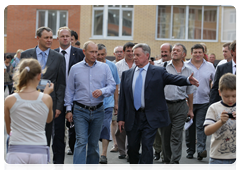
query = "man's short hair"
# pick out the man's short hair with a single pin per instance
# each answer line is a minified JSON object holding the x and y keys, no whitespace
{"x":77,"y":43}
{"x":114,"y":50}
{"x":213,"y":54}
{"x":183,"y":47}
{"x":197,"y":46}
{"x":102,"y":46}
{"x":227,"y":45}
{"x":227,"y":82}
{"x":63,"y":28}
{"x":233,"y":46}
{"x":85,"y":45}
{"x":73,"y":33}
{"x":128,"y":44}
{"x":146,"y":49}
{"x":41,"y":29}
{"x":170,"y":46}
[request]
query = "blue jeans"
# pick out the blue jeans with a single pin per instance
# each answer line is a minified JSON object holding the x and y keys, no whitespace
{"x":88,"y":125}
{"x":223,"y":164}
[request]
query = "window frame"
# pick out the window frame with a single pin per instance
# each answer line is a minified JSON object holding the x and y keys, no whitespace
{"x":222,"y":20}
{"x":187,"y":26}
{"x":104,"y":35}
{"x":46,"y":19}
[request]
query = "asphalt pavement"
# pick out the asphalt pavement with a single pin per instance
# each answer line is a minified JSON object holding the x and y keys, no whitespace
{"x":113,"y":156}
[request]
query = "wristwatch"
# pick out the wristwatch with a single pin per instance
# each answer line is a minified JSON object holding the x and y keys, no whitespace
{"x":68,"y":111}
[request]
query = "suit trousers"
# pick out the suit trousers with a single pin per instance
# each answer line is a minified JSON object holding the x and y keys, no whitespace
{"x":158,"y":142}
{"x":172,"y":135}
{"x":58,"y":139}
{"x":56,"y":130}
{"x":121,"y":142}
{"x":199,"y":111}
{"x":142,"y":133}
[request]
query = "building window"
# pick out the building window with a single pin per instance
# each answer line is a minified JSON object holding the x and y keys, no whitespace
{"x":228,"y":24}
{"x":178,"y":22}
{"x":112,"y":21}
{"x":52,"y":19}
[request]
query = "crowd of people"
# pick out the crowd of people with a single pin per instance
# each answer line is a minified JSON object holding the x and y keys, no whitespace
{"x":136,"y":101}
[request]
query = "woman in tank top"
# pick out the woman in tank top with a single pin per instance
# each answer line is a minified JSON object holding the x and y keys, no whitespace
{"x":26,"y":113}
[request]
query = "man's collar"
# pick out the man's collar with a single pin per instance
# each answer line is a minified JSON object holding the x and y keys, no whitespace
{"x":38,"y":50}
{"x":85,"y":63}
{"x":67,"y":50}
{"x":190,"y":61}
{"x":145,"y":67}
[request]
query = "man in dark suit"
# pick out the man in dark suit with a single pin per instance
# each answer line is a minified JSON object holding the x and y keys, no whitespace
{"x":72,"y":56}
{"x":229,"y":67}
{"x":142,"y":104}
{"x":55,"y":71}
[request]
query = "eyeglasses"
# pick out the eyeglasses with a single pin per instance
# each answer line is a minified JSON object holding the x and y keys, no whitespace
{"x":118,"y":52}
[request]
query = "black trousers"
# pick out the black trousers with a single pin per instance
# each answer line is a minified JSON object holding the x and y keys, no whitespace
{"x":56,"y":130}
{"x":10,"y":87}
{"x":141,"y":133}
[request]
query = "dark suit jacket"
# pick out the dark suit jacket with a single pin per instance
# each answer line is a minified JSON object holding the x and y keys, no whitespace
{"x":76,"y":55}
{"x":55,"y":72}
{"x":222,"y":69}
{"x":155,"y":103}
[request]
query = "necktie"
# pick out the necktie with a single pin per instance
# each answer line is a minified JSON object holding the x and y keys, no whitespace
{"x":138,"y":90}
{"x":63,"y":52}
{"x":43,"y":60}
{"x":236,"y":73}
{"x":235,"y":69}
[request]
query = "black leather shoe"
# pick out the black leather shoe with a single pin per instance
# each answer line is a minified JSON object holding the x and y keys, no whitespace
{"x":202,"y":155}
{"x":189,"y":156}
{"x":157,"y":156}
{"x":121,"y":156}
{"x":57,"y":168}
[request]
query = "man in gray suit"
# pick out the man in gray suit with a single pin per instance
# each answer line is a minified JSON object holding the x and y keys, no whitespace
{"x":55,"y":71}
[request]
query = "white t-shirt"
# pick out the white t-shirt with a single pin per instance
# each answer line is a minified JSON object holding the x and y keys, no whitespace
{"x":223,"y":141}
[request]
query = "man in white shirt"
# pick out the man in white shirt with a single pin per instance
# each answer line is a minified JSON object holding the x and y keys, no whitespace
{"x":166,"y":50}
{"x":123,"y":65}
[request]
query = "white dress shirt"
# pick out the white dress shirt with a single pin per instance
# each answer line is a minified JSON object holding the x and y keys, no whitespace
{"x":67,"y":57}
{"x":233,"y":67}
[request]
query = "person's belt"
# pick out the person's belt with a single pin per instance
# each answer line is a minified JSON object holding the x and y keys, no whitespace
{"x":140,"y":110}
{"x":174,"y":101}
{"x":91,"y":108}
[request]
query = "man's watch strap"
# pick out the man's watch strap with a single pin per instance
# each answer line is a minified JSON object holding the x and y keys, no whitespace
{"x":68,"y":111}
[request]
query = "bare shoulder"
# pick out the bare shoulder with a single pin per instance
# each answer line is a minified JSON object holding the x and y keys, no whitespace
{"x":46,"y":97}
{"x":10,"y":100}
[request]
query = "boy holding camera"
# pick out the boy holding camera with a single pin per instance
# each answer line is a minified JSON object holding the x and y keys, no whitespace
{"x":220,"y":122}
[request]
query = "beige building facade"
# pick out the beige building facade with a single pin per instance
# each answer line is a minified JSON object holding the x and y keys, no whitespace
{"x":114,"y":25}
